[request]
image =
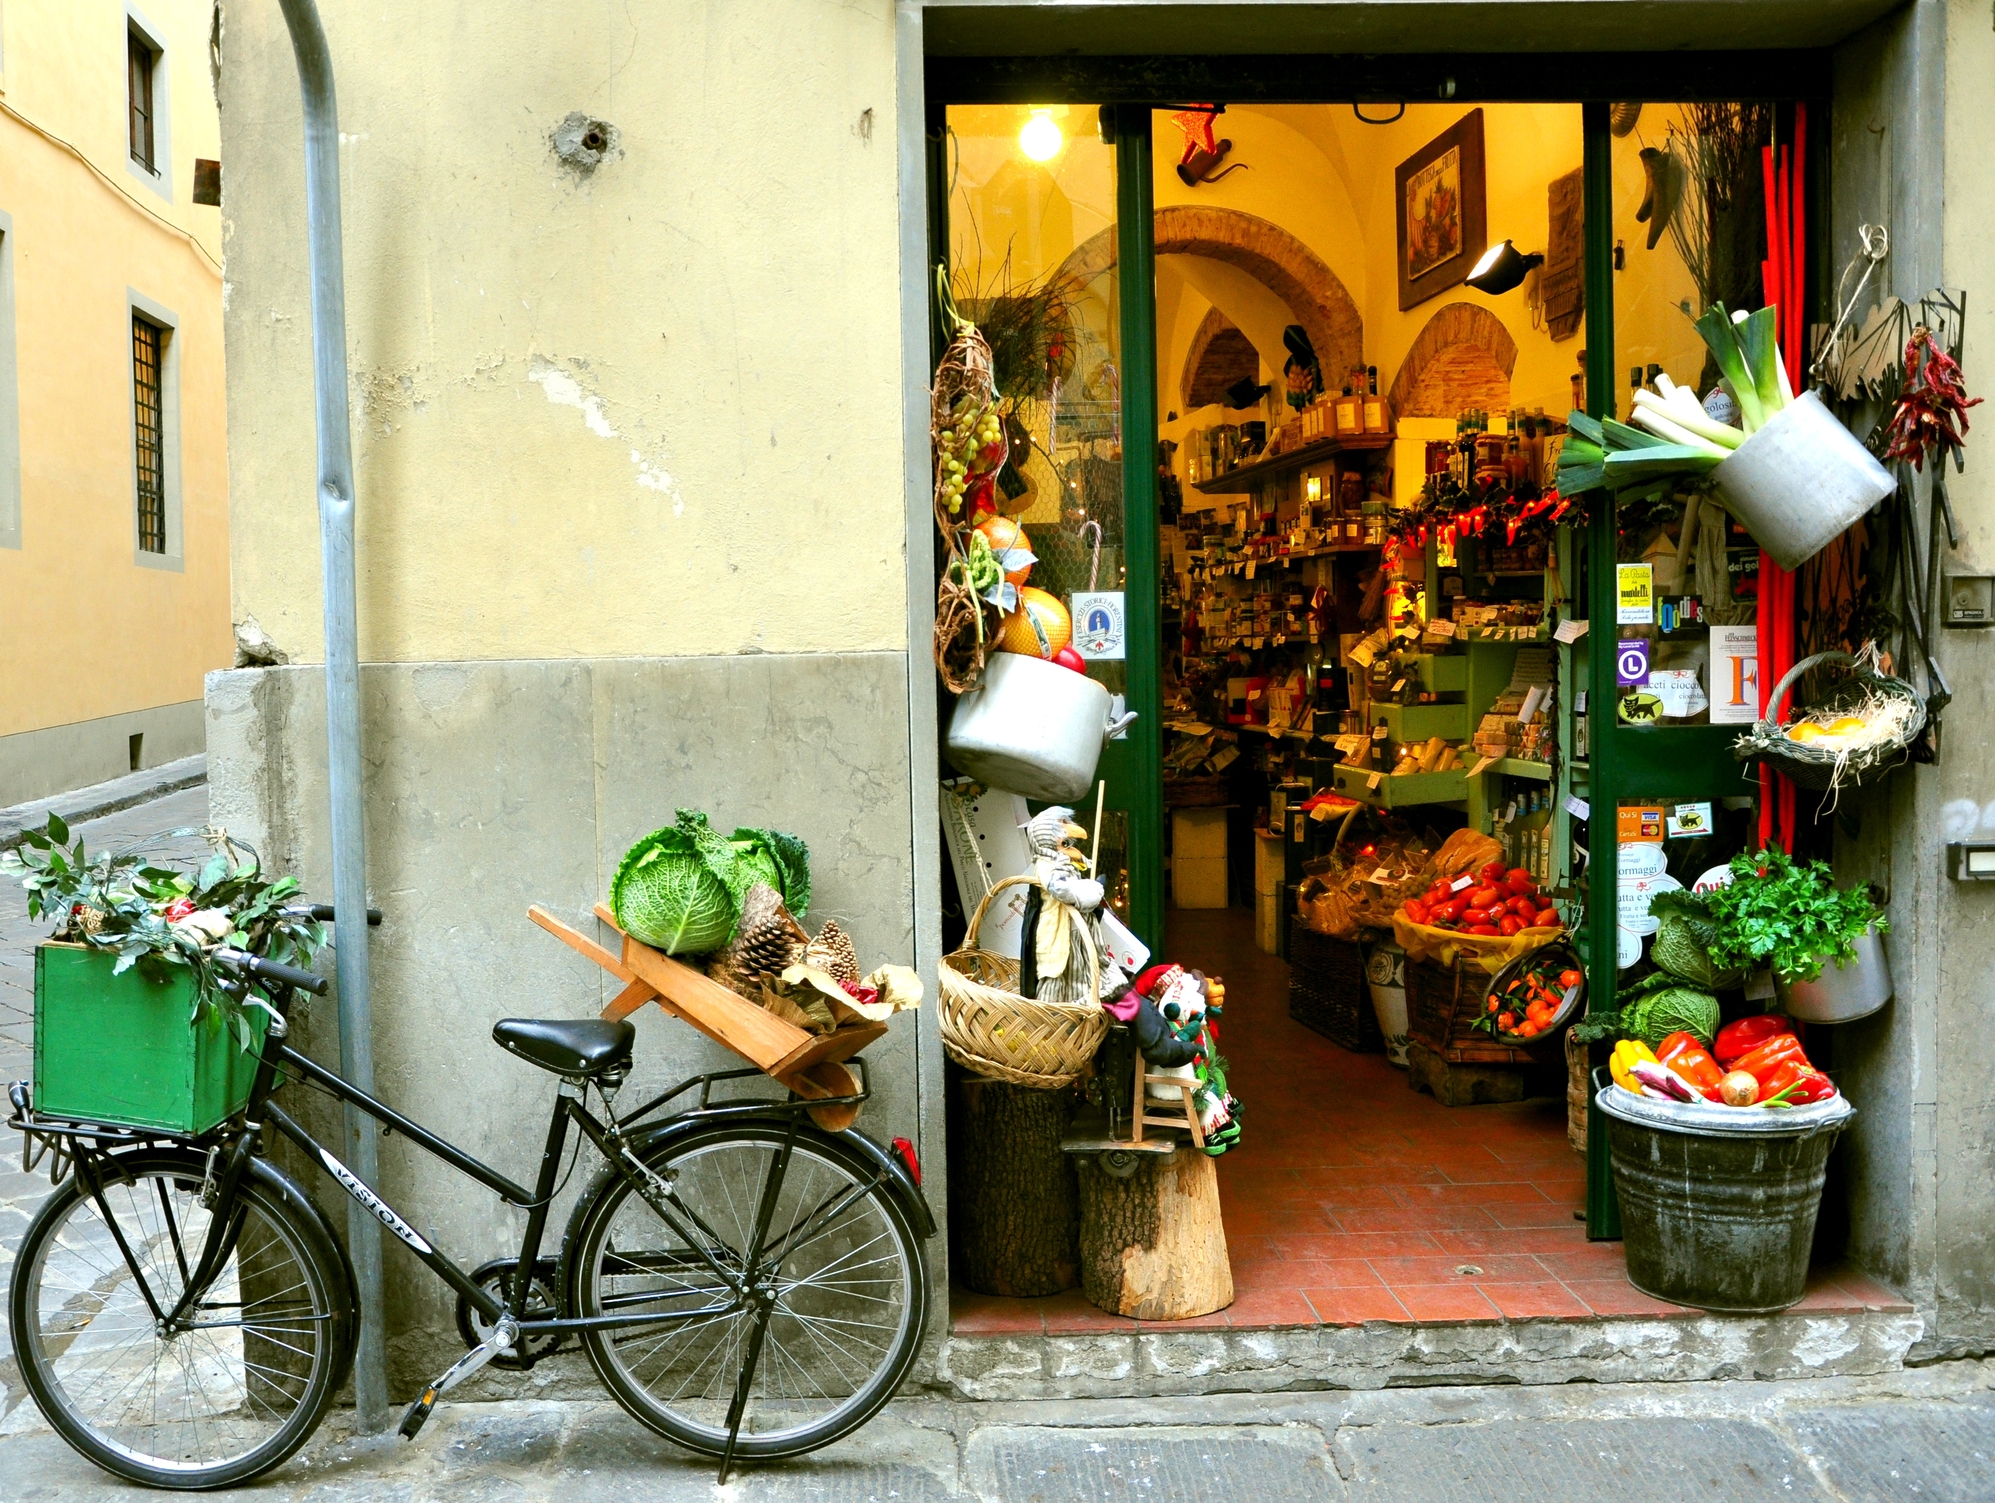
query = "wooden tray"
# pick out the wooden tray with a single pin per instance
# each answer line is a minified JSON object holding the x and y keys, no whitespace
{"x":810,"y":1065}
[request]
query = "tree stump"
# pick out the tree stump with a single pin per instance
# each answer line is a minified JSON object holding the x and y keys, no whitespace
{"x":1152,"y":1245}
{"x":1013,"y":1210}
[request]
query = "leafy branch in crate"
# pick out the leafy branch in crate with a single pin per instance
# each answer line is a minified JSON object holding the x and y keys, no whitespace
{"x":159,"y":919}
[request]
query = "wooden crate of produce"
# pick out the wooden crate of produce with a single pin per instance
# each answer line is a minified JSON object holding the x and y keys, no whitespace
{"x":1441,"y":1003}
{"x":1327,"y":991}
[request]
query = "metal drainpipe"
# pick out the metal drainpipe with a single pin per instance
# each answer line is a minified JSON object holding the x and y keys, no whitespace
{"x":349,"y":834}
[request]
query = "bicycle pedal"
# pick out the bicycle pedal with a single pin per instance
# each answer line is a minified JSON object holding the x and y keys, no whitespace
{"x":419,"y":1412}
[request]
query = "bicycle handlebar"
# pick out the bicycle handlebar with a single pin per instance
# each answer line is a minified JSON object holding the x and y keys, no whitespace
{"x":323,"y":912}
{"x":246,"y":964}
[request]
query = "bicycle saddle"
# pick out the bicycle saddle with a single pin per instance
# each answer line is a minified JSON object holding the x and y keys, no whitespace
{"x":567,"y":1046}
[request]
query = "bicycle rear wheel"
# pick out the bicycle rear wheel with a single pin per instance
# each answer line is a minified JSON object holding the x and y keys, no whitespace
{"x":228,"y":1393}
{"x":848,"y":1287}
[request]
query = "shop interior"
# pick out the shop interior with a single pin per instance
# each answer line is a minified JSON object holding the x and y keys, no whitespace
{"x":1356,"y":310}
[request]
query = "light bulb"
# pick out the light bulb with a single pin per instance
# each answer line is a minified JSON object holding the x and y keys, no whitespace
{"x":1040,"y":139}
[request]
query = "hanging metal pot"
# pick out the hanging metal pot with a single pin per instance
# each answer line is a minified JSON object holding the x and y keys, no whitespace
{"x":1800,"y":481}
{"x":1033,"y":727}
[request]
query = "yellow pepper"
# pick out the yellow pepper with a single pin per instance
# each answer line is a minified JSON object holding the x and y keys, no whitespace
{"x":1625,"y":1055}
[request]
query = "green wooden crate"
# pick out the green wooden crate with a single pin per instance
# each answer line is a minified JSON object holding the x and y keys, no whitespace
{"x":1407,"y":789}
{"x":126,"y":1051}
{"x":1414,"y":723}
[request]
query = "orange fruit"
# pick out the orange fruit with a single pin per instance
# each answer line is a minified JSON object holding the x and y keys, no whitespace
{"x":1004,"y":535}
{"x":1040,"y":626}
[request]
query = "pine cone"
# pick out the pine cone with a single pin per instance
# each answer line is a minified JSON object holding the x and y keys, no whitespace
{"x":765,"y":941}
{"x":832,"y":953}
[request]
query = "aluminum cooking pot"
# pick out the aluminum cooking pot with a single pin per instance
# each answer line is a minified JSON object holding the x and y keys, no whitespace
{"x":1033,"y":727}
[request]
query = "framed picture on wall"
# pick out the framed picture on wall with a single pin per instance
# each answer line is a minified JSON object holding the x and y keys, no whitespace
{"x":1442,"y":228}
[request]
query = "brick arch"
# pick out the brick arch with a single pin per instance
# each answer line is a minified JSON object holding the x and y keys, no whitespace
{"x":1219,"y":355}
{"x":1266,"y":252}
{"x":1464,"y":349}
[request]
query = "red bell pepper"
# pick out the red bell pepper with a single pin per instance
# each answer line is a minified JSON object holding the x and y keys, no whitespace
{"x":1795,"y":1082}
{"x":1738,"y":1039}
{"x":1684,"y":1054}
{"x":1764,"y":1061}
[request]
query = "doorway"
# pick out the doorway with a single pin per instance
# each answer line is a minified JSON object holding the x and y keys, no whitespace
{"x":1266,"y":381}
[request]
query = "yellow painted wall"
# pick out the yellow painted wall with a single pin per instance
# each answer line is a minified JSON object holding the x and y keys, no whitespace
{"x":651,"y":410}
{"x":89,"y":632}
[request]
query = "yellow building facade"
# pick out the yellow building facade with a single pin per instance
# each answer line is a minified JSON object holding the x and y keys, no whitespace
{"x":114,"y":553}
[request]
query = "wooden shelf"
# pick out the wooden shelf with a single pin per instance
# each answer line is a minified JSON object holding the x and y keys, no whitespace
{"x":1239,"y":481}
{"x":1519,"y":767}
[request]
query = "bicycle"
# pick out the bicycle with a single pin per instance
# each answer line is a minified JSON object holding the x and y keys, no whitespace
{"x":745,"y":1283}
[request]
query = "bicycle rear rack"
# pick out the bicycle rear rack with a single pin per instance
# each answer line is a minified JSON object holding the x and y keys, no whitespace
{"x":53,"y":1139}
{"x":753,"y":1105}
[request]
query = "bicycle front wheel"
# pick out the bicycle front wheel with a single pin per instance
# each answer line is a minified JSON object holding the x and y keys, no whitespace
{"x":217,"y":1396}
{"x":845,"y":1284}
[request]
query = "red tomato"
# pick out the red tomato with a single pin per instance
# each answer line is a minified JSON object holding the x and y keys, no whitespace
{"x":1489,"y":929}
{"x":1416,"y":911}
{"x":1522,"y":907}
{"x":1545,"y":918}
{"x":1453,"y":909}
{"x":1484,"y":897}
{"x":1510,"y":924}
{"x":1439,"y":891}
{"x":1493,"y":872}
{"x":1475,"y":915}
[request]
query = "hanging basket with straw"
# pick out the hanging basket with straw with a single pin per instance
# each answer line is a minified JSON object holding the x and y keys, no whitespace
{"x":989,"y":1028}
{"x":1861,"y":729}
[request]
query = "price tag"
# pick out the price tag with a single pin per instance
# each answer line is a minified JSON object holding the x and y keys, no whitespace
{"x":1250,"y":570}
{"x":1577,"y":807}
{"x":1466,"y":879}
{"x":1398,"y":684}
{"x":1381,"y":876}
{"x":1372,"y":782}
{"x":1440,"y":628}
{"x":1482,"y":766}
{"x":1569,"y":631}
{"x":1378,"y":733}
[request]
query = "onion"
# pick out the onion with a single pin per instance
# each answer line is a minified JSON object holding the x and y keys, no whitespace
{"x":1738,"y":1089}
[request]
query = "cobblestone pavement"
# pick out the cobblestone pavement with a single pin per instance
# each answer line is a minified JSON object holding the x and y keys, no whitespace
{"x":1918,"y":1437}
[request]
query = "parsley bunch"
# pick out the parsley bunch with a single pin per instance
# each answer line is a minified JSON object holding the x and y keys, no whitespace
{"x":1787,"y":914}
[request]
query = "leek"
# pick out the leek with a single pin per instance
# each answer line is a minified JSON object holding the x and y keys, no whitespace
{"x":1759,"y":349}
{"x":1722,"y":339}
{"x":1694,"y":419}
{"x":1658,"y":420}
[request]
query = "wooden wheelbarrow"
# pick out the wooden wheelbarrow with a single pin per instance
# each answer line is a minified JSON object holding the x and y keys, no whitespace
{"x":810,"y":1065}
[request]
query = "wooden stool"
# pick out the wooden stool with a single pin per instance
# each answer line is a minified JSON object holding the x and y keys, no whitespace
{"x":1183,"y":1114}
{"x":1152,"y":1243}
{"x":1013,"y":1204}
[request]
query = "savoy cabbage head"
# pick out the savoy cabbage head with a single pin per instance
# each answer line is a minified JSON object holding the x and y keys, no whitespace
{"x":679,"y":889}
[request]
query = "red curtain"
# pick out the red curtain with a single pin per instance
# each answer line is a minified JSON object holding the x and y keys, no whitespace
{"x":1783,"y":279}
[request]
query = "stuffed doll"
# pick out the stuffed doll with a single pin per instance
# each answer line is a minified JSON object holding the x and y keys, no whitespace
{"x":1052,"y":967}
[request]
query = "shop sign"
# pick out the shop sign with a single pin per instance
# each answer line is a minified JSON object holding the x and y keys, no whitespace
{"x":1635,"y":595}
{"x":1688,"y":820}
{"x":1734,"y":675}
{"x":1631,"y":662}
{"x":1639,"y":877}
{"x":1098,"y":625}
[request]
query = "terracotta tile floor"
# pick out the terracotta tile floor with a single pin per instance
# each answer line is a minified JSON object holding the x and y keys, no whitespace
{"x":1354,"y":1198}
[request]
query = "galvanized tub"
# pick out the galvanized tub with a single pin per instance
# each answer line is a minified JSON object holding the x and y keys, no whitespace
{"x":1718,"y":1204}
{"x":1799,"y":481}
{"x":1841,"y":994}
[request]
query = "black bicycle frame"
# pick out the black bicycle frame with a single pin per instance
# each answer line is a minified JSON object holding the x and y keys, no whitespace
{"x":537,"y":1202}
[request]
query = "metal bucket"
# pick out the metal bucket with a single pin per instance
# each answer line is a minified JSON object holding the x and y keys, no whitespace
{"x":1031,"y":727}
{"x":1720,"y":1220}
{"x":1801,"y":480}
{"x":1841,"y":994}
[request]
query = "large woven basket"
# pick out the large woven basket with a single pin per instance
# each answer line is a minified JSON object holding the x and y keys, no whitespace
{"x":1813,"y":766}
{"x":989,"y":1028}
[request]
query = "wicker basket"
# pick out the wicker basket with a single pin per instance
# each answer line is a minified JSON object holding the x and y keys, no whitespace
{"x":1440,"y":1015}
{"x":1327,"y":990}
{"x":1814,"y":766}
{"x":989,"y":1028}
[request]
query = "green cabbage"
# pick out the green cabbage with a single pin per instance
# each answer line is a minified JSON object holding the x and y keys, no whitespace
{"x":1671,"y":1007}
{"x":679,"y":889}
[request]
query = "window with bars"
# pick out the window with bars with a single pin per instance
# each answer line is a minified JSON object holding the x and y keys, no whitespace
{"x":142,"y":61}
{"x":149,"y":418}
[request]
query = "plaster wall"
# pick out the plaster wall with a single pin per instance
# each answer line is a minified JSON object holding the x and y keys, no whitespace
{"x":652,"y":406}
{"x":101,"y":632}
{"x":1964,"y":784}
{"x":493,"y":785}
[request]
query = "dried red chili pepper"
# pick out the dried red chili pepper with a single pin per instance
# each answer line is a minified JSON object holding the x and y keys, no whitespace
{"x":1933,"y":400}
